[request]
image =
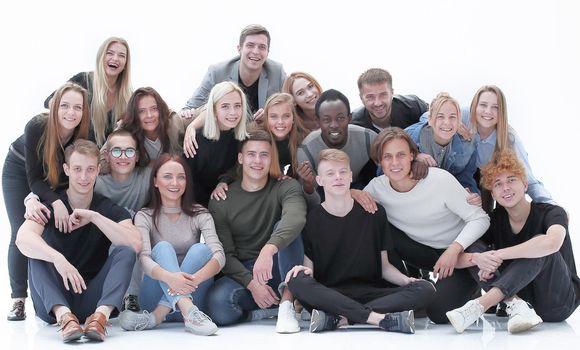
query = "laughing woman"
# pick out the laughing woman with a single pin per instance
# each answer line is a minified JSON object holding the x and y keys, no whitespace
{"x":306,"y":90}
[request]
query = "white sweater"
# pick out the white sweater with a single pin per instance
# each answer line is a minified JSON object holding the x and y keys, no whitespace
{"x":434,"y":213}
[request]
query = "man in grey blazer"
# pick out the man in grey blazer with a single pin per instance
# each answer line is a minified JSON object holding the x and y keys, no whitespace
{"x":258,"y":76}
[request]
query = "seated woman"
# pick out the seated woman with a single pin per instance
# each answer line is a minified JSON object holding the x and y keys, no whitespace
{"x":431,"y":221}
{"x":531,"y":263}
{"x":224,"y":128}
{"x":176,"y":264}
{"x":440,"y":144}
{"x":156,"y":128}
{"x":305,"y":90}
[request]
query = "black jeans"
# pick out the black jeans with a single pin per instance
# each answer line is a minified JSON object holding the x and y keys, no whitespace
{"x":15,"y":188}
{"x":357,"y":302}
{"x":452,"y":292}
{"x":545,"y":282}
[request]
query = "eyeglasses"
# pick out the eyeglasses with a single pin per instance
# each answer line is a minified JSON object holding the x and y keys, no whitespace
{"x":117,"y":152}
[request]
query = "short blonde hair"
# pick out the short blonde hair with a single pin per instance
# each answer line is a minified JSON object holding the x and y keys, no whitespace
{"x":438,"y":102}
{"x":500,"y":163}
{"x":211,"y":128}
{"x":333,"y":155}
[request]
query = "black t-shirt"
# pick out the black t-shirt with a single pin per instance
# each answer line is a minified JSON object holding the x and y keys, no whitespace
{"x":251,"y":94}
{"x":541,"y":217}
{"x":87,"y":248}
{"x":346,"y":250}
{"x":284,"y":156}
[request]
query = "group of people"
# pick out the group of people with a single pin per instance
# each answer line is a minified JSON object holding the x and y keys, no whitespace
{"x":265,"y":194}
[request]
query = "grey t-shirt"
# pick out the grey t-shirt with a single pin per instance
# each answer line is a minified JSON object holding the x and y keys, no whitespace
{"x":132,"y":193}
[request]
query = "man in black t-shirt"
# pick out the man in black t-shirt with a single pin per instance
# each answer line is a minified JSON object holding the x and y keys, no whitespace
{"x":346,"y":276}
{"x":531,"y":265}
{"x":72,"y":273}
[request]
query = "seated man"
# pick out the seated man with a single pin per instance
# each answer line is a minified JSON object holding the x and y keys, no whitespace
{"x":333,"y":112}
{"x":73,"y":274}
{"x":531,"y":264}
{"x":346,"y":276}
{"x":259,"y":225}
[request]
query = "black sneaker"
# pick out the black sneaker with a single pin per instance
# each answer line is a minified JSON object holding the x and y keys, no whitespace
{"x":131,"y":303}
{"x":17,"y":312}
{"x":403,"y":322}
{"x":500,"y":311}
{"x":321,"y":321}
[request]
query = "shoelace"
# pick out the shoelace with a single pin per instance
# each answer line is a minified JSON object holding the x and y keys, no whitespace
{"x":131,"y":301}
{"x":18,"y":307}
{"x":197,"y":316}
{"x":473,"y":310}
{"x":142,"y":321}
{"x":391,"y":323}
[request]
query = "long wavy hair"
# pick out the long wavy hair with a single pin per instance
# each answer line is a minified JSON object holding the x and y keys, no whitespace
{"x":502,"y":127}
{"x":101,"y":89}
{"x":50,"y":147}
{"x":289,"y":84}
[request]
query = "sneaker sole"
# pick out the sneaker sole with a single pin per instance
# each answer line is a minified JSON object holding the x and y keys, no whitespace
{"x":288,"y":331}
{"x":457,"y":328}
{"x":210,"y":332}
{"x":314,"y":321}
{"x":522,"y":327}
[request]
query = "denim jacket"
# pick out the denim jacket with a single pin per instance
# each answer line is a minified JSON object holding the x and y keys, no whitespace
{"x":460,"y":159}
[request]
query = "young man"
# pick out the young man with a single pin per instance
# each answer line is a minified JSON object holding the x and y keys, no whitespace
{"x":346,"y":276}
{"x":381,"y":109}
{"x":73,"y":274}
{"x":257,"y":75}
{"x":126,"y":185}
{"x":531,"y":265}
{"x":333,"y":112}
{"x":259,"y":225}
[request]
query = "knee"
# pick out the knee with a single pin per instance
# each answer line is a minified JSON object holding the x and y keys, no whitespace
{"x":297,"y":284}
{"x":162,"y":247}
{"x":200,"y":250}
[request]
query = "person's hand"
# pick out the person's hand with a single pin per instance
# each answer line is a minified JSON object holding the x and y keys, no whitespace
{"x":258,"y":117}
{"x":307,"y":175}
{"x":189,"y":142}
{"x":181,"y":283}
{"x":284,"y":177}
{"x":365,"y":200}
{"x":296,"y":270}
{"x":427,"y":159}
{"x":263,"y":295}
{"x":419,"y":170}
{"x":473,"y":198}
{"x":484,"y":275}
{"x":464,"y":132}
{"x":410,"y":280}
{"x":262,"y":271}
{"x":79,"y":218}
{"x":220,"y":191}
{"x":61,"y":216}
{"x":487,"y":261}
{"x":446,"y":263}
{"x":186,"y":113}
{"x":70,"y":275}
{"x":36,"y":211}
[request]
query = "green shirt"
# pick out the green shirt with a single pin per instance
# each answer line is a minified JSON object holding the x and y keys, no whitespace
{"x":245,"y":222}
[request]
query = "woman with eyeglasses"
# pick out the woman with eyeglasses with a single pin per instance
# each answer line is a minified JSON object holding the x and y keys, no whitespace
{"x":34,"y":163}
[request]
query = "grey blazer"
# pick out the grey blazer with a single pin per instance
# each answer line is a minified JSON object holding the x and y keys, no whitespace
{"x":271,"y":80}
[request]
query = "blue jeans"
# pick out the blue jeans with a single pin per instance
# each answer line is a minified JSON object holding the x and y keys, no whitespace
{"x":229,"y":302}
{"x":155,"y":292}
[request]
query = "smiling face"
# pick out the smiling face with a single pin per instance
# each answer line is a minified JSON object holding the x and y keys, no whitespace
{"x":334,"y":176}
{"x":255,"y":159}
{"x":509,"y":190}
{"x":148,"y":113}
{"x":122,"y":165}
{"x":280,"y":120}
{"x":228,"y":111}
{"x":170,"y":181}
{"x":377,"y":99}
{"x":115,"y":59}
{"x":305,"y":94}
{"x":70,"y":110}
{"x":82,"y":171}
{"x":445,"y":123}
{"x":334,"y":118}
{"x":254,"y":51}
{"x":487,"y":111}
{"x":396,"y":161}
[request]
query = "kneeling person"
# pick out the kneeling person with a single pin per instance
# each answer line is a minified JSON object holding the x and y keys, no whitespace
{"x":346,"y":276}
{"x":73,"y":274}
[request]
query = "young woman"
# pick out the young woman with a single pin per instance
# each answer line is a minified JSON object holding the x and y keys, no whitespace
{"x":109,"y":87}
{"x":34,"y":163}
{"x":305,"y":90}
{"x":156,"y":128}
{"x":224,"y":128}
{"x":431,"y":221}
{"x":176,"y":264}
{"x":440,"y":144}
{"x":489,"y":122}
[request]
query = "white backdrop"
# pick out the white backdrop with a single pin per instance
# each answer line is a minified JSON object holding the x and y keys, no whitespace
{"x":530,"y":49}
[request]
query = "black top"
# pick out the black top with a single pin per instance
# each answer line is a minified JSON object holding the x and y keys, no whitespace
{"x":211,"y":164}
{"x":541,"y":217}
{"x":251,"y":94}
{"x":346,"y":250}
{"x":87,"y":248}
{"x":284,"y":156}
{"x":405,"y":111}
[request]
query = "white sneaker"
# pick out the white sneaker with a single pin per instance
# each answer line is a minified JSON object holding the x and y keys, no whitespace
{"x":199,"y":323}
{"x":287,"y":322}
{"x":463,"y":317}
{"x":136,"y":321}
{"x":521,"y":316}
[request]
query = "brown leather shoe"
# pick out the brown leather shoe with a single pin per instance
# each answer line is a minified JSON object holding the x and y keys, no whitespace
{"x":96,"y":327}
{"x":70,"y":327}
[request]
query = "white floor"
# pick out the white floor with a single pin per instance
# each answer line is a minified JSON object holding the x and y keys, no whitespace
{"x":488,"y":334}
